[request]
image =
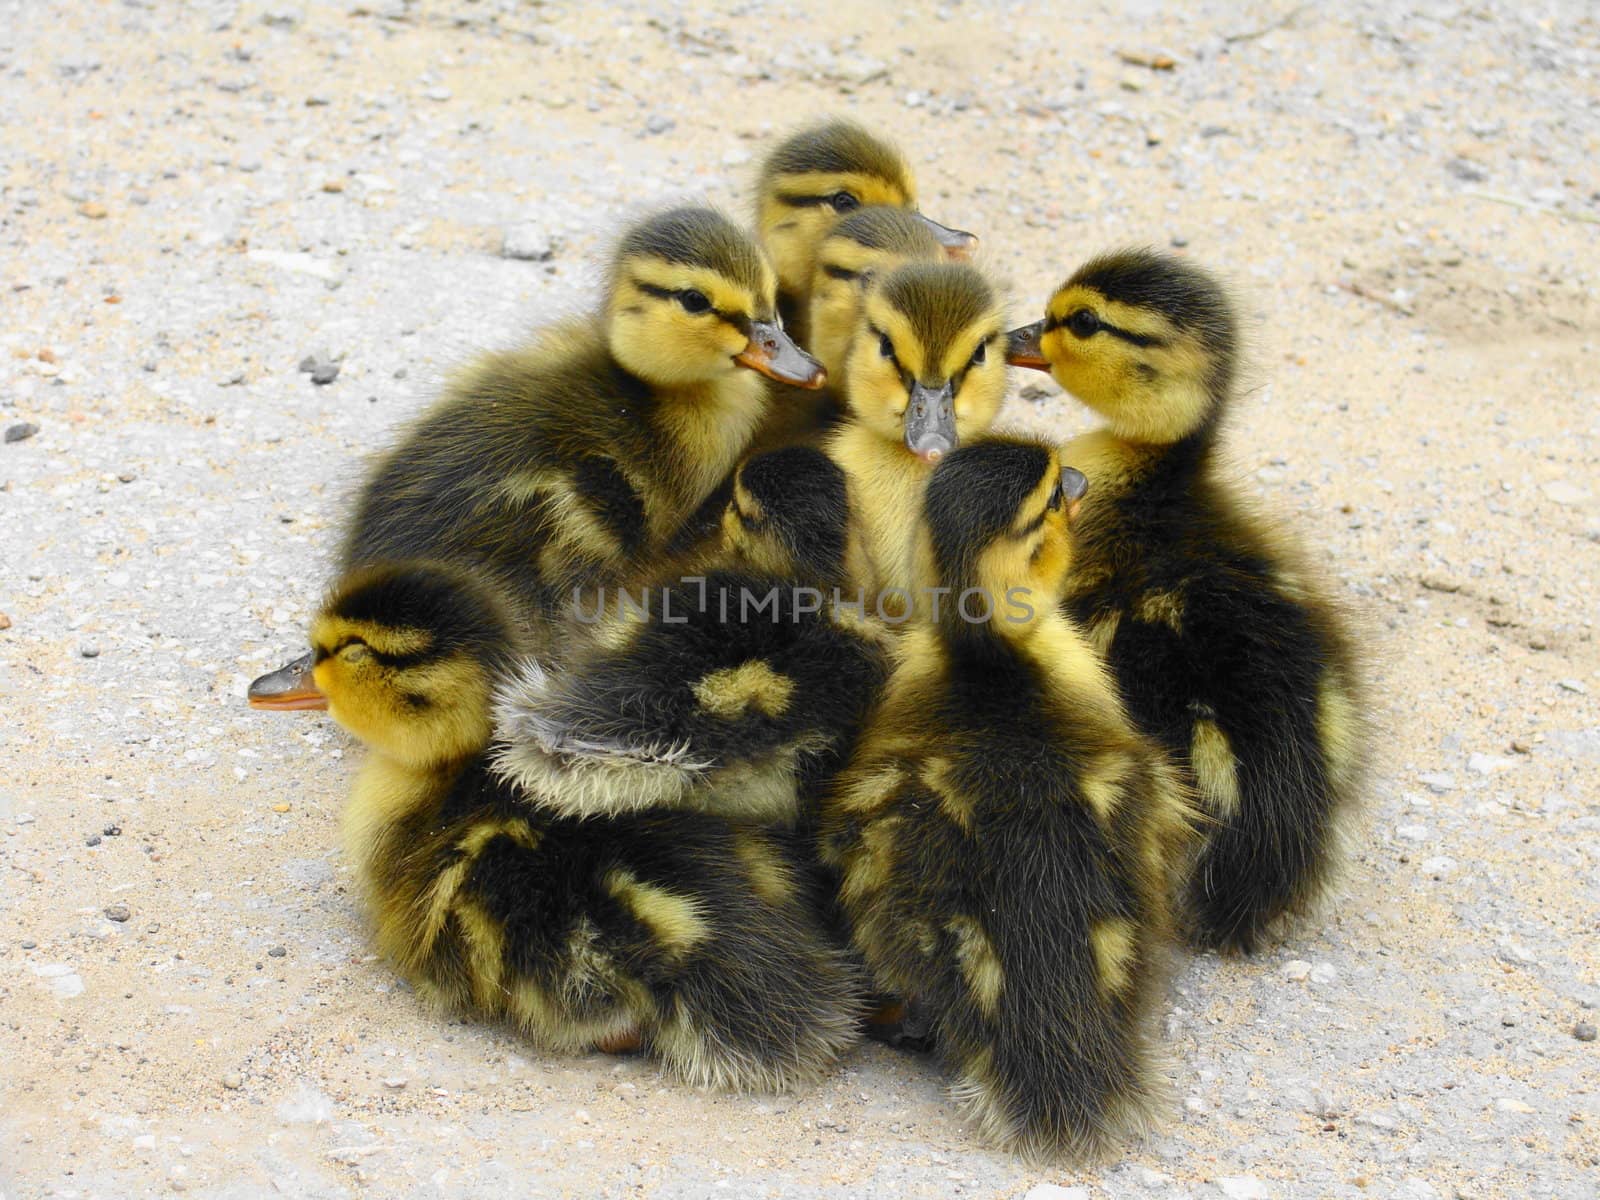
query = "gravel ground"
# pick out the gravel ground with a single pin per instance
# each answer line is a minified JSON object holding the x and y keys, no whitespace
{"x":196,"y":199}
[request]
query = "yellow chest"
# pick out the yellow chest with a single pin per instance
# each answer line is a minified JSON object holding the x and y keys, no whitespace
{"x":886,"y":484}
{"x":707,"y":430}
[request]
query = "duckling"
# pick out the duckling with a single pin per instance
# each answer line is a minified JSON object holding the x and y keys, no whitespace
{"x":864,"y":245}
{"x":1223,"y":648}
{"x":1005,"y":835}
{"x":812,"y":179}
{"x":924,"y":373}
{"x":573,"y":461}
{"x":734,"y":689}
{"x":680,"y":934}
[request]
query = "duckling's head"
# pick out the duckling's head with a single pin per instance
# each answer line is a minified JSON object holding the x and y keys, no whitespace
{"x":996,"y":520}
{"x":790,"y":515}
{"x":403,"y":655}
{"x":927,"y":364}
{"x":1145,"y":339}
{"x":692,"y":300}
{"x":862,"y":246}
{"x":822,"y":173}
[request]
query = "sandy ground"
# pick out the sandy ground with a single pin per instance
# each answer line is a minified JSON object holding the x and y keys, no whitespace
{"x":195,"y":197}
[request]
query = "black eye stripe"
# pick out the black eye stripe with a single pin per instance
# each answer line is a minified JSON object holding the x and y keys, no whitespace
{"x":844,"y":273}
{"x":798,"y":200}
{"x":1142,"y":340}
{"x":738,"y":320}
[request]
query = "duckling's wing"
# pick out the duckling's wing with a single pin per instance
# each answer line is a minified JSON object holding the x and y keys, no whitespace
{"x":734,"y":716}
{"x":571,"y":746}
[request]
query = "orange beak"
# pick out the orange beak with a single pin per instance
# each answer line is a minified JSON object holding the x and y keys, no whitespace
{"x":291,"y":688}
{"x":1022,"y":347}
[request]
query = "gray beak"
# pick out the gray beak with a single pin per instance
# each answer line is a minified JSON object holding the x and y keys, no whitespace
{"x":931,"y":421}
{"x":958,"y":243}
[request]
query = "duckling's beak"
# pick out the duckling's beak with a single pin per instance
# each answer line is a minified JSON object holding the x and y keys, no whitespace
{"x":1074,"y":486}
{"x":1022,"y":347}
{"x":772,"y":352}
{"x":288,"y":689}
{"x":931,"y":421}
{"x":958,"y":243}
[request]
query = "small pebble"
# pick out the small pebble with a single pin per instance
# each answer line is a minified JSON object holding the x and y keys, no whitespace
{"x":29,"y":944}
{"x":658,"y":124}
{"x":21,"y":431}
{"x":276,"y":952}
{"x":93,"y":209}
{"x":89,"y":650}
{"x":233,"y":1081}
{"x":527,"y":242}
{"x":1583,"y":1031}
{"x":324,"y":373}
{"x":92,"y":840}
{"x":112,"y":831}
{"x":117,"y":912}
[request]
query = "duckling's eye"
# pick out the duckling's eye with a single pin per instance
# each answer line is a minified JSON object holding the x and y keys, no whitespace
{"x":1084,"y":323}
{"x":885,"y":345}
{"x":1058,"y":498}
{"x":694,"y":301}
{"x":843,"y":202}
{"x":354,"y":652}
{"x":981,"y":354}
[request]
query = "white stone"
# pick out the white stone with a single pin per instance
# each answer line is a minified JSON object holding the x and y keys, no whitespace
{"x":1489,"y":764}
{"x":305,"y":1106}
{"x":1559,"y":491}
{"x":1412,"y":833}
{"x":293,"y":262}
{"x":1440,"y":866}
{"x":63,"y":982}
{"x":1438,"y":782}
{"x":528,"y":242}
{"x":1296,"y":969}
{"x":1324,"y":973}
{"x":1506,"y":1104}
{"x":1244,"y":1187}
{"x":1053,"y":1191}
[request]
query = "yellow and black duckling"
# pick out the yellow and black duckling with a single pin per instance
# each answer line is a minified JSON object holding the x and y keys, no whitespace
{"x":861,"y":247}
{"x":925,"y":372}
{"x":814,"y":178}
{"x":572,"y":462}
{"x":1005,"y":835}
{"x":735,"y":689}
{"x":1223,"y":650}
{"x":690,"y":937}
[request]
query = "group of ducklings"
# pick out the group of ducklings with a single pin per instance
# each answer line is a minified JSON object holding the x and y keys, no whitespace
{"x":733,"y":827}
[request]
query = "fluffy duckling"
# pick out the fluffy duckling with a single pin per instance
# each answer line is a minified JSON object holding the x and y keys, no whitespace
{"x":1223,"y":649}
{"x":681,"y":934}
{"x":735,"y":689}
{"x":1005,"y":835}
{"x":861,"y":247}
{"x":925,"y":372}
{"x":812,"y":179}
{"x":573,"y":461}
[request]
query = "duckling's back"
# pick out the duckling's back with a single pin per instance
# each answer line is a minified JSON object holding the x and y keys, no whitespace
{"x":1228,"y":654}
{"x":534,"y":466}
